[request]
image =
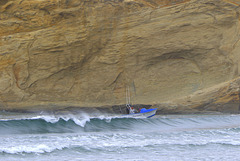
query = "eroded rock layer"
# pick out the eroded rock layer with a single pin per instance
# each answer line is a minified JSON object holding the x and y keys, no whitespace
{"x":178,"y":55}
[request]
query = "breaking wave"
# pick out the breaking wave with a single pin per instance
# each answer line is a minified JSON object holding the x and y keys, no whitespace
{"x":83,"y":136}
{"x":84,"y":123}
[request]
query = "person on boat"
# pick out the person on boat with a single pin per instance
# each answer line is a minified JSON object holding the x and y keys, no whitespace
{"x":127,"y":108}
{"x":130,"y":109}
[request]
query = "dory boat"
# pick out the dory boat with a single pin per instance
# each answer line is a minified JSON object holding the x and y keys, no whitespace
{"x":144,"y":113}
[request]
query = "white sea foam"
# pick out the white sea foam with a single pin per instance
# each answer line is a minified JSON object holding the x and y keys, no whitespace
{"x":111,"y":142}
{"x":47,"y":118}
{"x":79,"y":119}
{"x":41,"y":148}
{"x":169,"y":137}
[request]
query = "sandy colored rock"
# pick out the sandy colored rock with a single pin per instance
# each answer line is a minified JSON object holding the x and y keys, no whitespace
{"x":61,"y":53}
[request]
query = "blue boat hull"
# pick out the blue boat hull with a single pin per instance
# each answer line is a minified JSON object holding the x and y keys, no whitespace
{"x":144,"y":113}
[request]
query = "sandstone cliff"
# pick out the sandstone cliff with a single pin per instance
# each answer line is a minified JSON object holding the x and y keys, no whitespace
{"x":178,"y":55}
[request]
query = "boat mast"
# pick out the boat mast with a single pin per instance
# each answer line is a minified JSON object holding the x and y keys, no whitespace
{"x":128,"y":96}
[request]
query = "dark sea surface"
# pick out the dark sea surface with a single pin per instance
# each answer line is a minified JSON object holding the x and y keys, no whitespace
{"x":81,"y":137}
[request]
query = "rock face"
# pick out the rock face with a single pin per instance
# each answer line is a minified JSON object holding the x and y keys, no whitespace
{"x":178,"y":55}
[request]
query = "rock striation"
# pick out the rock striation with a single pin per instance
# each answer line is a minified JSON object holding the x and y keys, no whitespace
{"x":178,"y":55}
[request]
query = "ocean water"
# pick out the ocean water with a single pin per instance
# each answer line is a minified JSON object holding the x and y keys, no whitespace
{"x":81,"y":137}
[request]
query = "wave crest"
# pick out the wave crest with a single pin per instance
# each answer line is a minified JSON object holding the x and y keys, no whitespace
{"x":77,"y":123}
